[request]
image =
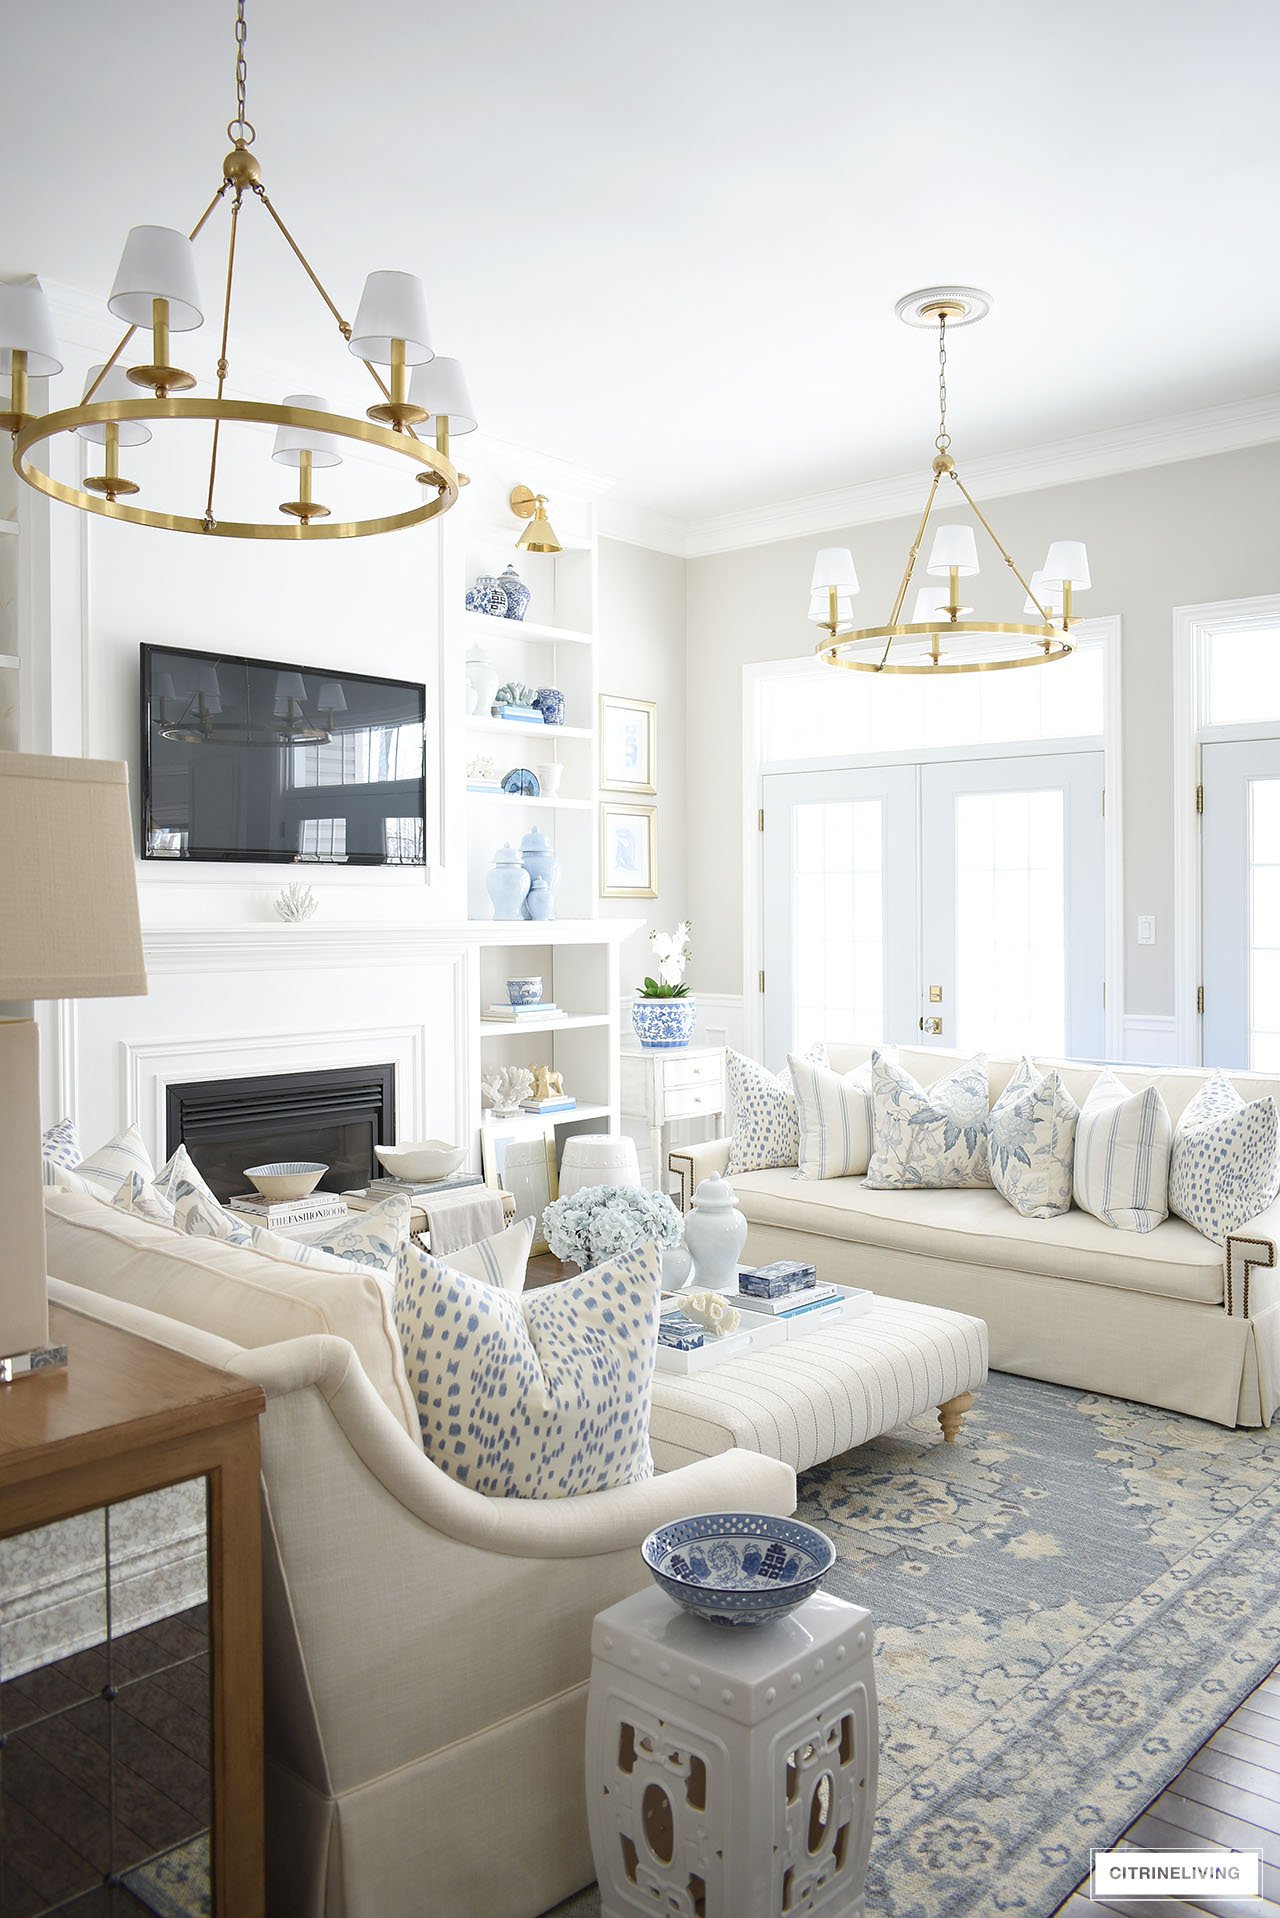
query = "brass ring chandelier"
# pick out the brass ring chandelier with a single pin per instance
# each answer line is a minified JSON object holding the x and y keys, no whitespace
{"x":940,"y":636}
{"x":156,"y":286}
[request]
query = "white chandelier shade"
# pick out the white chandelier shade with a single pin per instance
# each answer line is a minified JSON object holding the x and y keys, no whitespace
{"x":291,"y":691}
{"x":1067,"y":564}
{"x":930,"y":602}
{"x":26,"y":326}
{"x":1048,"y":593}
{"x":393,"y":306}
{"x":834,"y":567}
{"x":113,"y":386}
{"x":331,"y":698}
{"x":208,"y":690}
{"x":954,"y":547}
{"x":158,"y":263}
{"x":439,"y":386}
{"x":292,"y":442}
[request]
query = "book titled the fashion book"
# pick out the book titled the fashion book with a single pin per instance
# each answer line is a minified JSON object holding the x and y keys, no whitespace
{"x":310,"y":1211}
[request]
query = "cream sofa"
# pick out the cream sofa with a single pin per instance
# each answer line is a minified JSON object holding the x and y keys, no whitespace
{"x":1167,"y":1318}
{"x":427,"y":1650}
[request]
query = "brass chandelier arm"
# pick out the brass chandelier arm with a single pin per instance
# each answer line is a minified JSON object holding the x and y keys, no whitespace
{"x":130,"y":331}
{"x":994,"y":538}
{"x":912,"y":557}
{"x":344,"y":326}
{"x":222,"y":352}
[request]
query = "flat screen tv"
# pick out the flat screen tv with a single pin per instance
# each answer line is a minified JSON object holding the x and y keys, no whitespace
{"x":264,"y":760}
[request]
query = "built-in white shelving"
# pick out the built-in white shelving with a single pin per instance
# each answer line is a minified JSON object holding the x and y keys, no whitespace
{"x":488,"y":629}
{"x":525,"y":729}
{"x":515,"y":800}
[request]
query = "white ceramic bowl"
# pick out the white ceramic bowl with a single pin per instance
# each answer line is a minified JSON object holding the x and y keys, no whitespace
{"x":427,"y":1160}
{"x":286,"y":1178}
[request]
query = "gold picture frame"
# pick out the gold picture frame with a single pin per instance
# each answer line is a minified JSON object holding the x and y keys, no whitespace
{"x":628,"y":851}
{"x":628,"y":744}
{"x":531,"y":1175}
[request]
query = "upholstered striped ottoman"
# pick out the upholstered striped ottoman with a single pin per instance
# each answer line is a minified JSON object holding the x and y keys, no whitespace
{"x":815,"y":1397}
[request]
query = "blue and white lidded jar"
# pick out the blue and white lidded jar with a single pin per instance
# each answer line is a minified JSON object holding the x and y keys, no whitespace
{"x":487,"y":596}
{"x":517,"y":593}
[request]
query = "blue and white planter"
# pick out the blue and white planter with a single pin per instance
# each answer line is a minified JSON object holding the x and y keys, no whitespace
{"x":661,"y":1025}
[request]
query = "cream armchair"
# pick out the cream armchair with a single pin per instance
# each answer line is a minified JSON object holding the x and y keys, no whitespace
{"x":427,"y":1650}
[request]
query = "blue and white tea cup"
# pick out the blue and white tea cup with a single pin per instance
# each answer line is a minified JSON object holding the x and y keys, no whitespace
{"x":524,"y":992}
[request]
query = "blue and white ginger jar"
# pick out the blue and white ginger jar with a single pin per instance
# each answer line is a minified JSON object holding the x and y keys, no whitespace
{"x":517,"y":593}
{"x":549,"y":701}
{"x":487,"y":596}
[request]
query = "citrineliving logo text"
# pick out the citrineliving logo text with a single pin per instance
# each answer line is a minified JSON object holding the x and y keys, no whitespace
{"x":1156,"y":1874}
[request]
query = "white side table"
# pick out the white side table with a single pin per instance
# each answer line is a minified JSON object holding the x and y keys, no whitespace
{"x":731,"y":1772}
{"x":661,"y":1087}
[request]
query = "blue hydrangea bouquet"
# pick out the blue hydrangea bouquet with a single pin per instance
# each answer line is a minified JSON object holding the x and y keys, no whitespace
{"x":602,"y":1220}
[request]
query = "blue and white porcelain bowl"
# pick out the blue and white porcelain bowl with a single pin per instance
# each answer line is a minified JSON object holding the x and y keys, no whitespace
{"x":663,"y":1024}
{"x":286,"y":1178}
{"x":524,"y":992}
{"x":738,"y":1568}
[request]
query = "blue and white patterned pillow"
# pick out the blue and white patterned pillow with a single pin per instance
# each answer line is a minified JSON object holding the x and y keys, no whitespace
{"x":1032,"y":1139}
{"x":59,"y":1146}
{"x":372,"y":1238}
{"x":179,"y":1175}
{"x":766,"y":1128}
{"x":111,"y":1164}
{"x":1224,"y":1167}
{"x":141,"y":1199}
{"x":543,"y":1395}
{"x":1122,"y":1155}
{"x":934,"y":1138}
{"x":302,"y":1252}
{"x":200,"y":1215}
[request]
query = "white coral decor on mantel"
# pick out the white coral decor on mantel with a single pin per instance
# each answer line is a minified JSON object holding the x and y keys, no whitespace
{"x":295,"y":903}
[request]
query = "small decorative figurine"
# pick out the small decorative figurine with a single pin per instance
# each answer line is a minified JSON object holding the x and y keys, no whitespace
{"x":547,"y":1084}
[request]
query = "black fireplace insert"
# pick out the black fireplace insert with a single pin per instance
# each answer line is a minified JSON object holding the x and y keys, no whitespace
{"x":337,"y":1115}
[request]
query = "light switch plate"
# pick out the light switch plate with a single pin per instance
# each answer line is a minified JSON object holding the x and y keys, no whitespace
{"x":1146,"y":929}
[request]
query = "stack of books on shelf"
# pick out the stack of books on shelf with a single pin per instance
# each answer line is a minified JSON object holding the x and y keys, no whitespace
{"x":484,"y":786}
{"x":521,"y":1015}
{"x":562,"y":1102}
{"x":316,"y":1209}
{"x":523,"y":715}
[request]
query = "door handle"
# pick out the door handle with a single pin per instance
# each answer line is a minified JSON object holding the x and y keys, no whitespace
{"x":931,"y":1026}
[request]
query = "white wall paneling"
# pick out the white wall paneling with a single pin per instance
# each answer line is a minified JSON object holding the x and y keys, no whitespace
{"x":1148,"y":1041}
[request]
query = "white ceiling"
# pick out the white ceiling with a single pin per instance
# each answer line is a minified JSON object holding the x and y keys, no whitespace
{"x":666,"y":238}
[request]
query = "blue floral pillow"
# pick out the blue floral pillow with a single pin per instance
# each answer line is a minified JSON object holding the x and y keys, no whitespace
{"x":537,"y":1395}
{"x":59,"y":1146}
{"x":1223,"y":1169}
{"x":933,"y":1138}
{"x":1032,"y":1143}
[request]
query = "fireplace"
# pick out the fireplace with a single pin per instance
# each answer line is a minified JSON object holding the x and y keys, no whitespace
{"x":337,"y":1115}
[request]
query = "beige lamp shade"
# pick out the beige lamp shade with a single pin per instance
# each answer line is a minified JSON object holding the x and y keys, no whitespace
{"x":69,"y":928}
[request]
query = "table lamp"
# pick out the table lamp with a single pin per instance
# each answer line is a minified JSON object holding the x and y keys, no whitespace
{"x":69,"y":929}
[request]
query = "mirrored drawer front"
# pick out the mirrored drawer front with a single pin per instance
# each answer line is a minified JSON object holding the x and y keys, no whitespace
{"x":692,"y":1072}
{"x":689,"y":1101}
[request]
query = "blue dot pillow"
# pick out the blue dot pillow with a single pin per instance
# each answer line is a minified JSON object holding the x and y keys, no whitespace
{"x":543,"y":1394}
{"x":1225,"y":1164}
{"x":766,"y":1123}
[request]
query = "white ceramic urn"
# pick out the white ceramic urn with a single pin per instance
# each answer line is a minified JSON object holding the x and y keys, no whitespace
{"x":715,"y":1233}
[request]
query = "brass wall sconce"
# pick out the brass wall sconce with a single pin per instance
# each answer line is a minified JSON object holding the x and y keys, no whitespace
{"x":539,"y":535}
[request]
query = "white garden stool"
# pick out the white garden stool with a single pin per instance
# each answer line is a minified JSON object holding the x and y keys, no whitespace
{"x":598,"y":1158}
{"x":731,"y":1772}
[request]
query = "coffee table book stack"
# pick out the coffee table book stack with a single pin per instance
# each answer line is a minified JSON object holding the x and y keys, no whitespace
{"x":317,"y":1209}
{"x":784,"y":1302}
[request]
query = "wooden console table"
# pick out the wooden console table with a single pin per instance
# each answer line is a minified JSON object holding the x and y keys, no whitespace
{"x":127,"y":1417}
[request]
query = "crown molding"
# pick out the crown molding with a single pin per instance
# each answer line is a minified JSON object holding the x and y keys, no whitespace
{"x":643,"y":526}
{"x":1121,"y":449}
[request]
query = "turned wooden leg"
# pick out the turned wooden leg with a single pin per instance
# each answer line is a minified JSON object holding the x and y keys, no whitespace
{"x":951,"y":1415}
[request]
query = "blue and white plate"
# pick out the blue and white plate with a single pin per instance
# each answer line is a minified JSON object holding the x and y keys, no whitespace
{"x":738,"y":1568}
{"x":522,"y":782}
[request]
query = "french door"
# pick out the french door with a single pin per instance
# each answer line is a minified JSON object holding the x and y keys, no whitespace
{"x":953,"y":903}
{"x":1240,"y":880}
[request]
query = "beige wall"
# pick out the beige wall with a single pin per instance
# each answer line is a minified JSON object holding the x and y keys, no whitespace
{"x":1164,"y":537}
{"x":642,"y":655}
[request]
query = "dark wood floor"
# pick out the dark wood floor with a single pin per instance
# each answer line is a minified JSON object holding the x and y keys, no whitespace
{"x":1228,"y":1795}
{"x":104,"y":1765}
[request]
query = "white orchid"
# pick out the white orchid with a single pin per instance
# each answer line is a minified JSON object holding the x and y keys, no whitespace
{"x":672,"y":951}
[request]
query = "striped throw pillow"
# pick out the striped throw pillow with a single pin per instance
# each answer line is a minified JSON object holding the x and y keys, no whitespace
{"x":502,"y":1260}
{"x":834,"y":1111}
{"x":1123,"y":1142}
{"x":111,"y":1164}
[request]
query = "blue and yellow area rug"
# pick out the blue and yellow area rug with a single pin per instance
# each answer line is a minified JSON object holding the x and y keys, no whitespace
{"x":1067,"y":1602}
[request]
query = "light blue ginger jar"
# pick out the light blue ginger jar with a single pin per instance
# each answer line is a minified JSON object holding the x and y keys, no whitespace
{"x":539,"y":904}
{"x":487,"y":596}
{"x":517,"y":593}
{"x":662,"y":1025}
{"x":507,"y":884}
{"x":549,"y":701}
{"x":540,"y":862}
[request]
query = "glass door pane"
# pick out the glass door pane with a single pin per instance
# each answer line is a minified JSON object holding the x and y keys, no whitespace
{"x":1240,"y":855}
{"x":1264,"y":925}
{"x":840,"y":937}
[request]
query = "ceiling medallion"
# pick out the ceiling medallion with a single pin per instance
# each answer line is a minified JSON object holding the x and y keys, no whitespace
{"x":940,"y":636}
{"x":156,"y":288}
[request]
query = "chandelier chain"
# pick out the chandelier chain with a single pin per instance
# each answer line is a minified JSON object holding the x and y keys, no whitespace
{"x":240,"y":129}
{"x":943,"y":440}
